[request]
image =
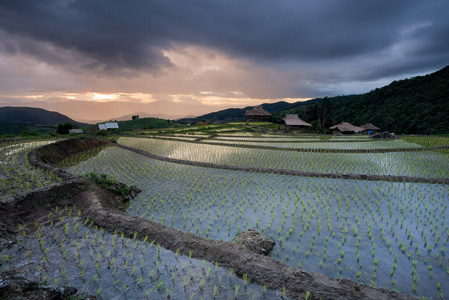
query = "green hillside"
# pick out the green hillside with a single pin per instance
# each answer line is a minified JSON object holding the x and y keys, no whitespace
{"x":418,"y":105}
{"x":143,"y":123}
{"x":138,"y":124}
{"x":31,"y":120}
{"x":33,"y":116}
{"x":238,"y":114}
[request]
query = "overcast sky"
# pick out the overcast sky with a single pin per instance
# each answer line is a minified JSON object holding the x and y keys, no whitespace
{"x":99,"y":59}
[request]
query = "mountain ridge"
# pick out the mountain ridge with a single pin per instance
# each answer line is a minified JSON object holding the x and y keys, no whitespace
{"x":20,"y":119}
{"x":416,"y":105}
{"x":33,"y":116}
{"x":142,"y":115}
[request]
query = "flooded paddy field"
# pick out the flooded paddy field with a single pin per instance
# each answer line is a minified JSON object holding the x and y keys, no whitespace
{"x":385,"y":234}
{"x":388,"y":234}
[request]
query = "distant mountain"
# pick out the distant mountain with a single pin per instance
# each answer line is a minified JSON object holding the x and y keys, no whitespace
{"x":189,"y":117}
{"x":145,"y":115}
{"x":33,"y":116}
{"x":30,"y":120}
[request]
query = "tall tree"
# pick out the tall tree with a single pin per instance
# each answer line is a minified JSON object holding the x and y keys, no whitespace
{"x":311,"y":112}
{"x":324,"y":115}
{"x":64,"y":128}
{"x":320,"y":114}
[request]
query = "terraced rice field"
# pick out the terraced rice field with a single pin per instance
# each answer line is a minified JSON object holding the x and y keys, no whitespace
{"x":382,"y":233}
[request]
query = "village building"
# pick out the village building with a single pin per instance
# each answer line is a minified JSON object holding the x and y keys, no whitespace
{"x":369,"y":127}
{"x":345,"y":128}
{"x":111,"y":125}
{"x":294,"y":122}
{"x":258,"y":114}
{"x":108,"y":126}
{"x":77,"y":131}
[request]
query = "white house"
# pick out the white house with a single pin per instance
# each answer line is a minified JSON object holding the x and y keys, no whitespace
{"x":111,"y":125}
{"x":108,"y":125}
{"x":79,"y":131}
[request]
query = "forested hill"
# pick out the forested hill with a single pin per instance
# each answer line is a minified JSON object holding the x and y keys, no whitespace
{"x":33,"y":116}
{"x":237,"y":114}
{"x":418,"y":105}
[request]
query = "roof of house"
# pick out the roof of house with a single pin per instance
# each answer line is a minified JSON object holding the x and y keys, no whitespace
{"x":346,"y":127}
{"x":80,"y":131}
{"x":111,"y":125}
{"x":369,"y":126}
{"x":108,"y":125}
{"x":294,"y":120}
{"x":257,"y":111}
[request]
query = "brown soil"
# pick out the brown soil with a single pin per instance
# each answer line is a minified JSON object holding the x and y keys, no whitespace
{"x":54,"y":153}
{"x":36,"y":205}
{"x":98,"y":205}
{"x":57,"y":152}
{"x":19,"y":288}
{"x":252,"y":240}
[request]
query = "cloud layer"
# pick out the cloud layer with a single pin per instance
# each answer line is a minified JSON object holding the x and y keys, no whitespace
{"x":229,"y":49}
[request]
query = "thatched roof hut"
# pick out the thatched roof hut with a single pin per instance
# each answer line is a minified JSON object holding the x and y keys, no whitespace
{"x":294,"y":122}
{"x":258,"y":114}
{"x":370,"y":127}
{"x":345,"y":128}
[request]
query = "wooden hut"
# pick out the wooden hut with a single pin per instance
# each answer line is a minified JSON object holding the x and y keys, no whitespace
{"x":258,"y":114}
{"x":370,"y":127}
{"x":345,"y":128}
{"x":294,"y":122}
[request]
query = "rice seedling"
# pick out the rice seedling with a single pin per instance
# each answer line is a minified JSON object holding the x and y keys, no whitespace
{"x":97,"y":274}
{"x":219,"y":204}
{"x":257,"y":157}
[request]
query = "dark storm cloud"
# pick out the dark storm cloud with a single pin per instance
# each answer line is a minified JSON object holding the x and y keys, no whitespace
{"x":107,"y":34}
{"x":116,"y":35}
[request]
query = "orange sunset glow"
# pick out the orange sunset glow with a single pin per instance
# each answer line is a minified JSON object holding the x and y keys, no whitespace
{"x":220,"y":56}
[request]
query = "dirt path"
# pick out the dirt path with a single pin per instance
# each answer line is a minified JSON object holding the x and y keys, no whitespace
{"x":92,"y":200}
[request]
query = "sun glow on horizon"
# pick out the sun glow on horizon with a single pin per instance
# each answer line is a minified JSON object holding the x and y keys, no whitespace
{"x":34,"y":96}
{"x":292,"y":100}
{"x":243,"y":101}
{"x":104,"y":97}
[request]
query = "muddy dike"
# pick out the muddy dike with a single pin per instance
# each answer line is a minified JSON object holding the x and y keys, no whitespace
{"x":16,"y":287}
{"x":212,"y":141}
{"x":37,"y":204}
{"x":46,"y":157}
{"x":57,"y":152}
{"x":391,"y":178}
{"x":97,"y":204}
